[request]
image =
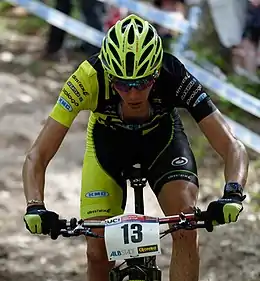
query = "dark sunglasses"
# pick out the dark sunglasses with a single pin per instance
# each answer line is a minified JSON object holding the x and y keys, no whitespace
{"x":125,"y":85}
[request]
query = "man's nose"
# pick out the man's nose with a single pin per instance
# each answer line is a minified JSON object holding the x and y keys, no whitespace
{"x":133,"y":93}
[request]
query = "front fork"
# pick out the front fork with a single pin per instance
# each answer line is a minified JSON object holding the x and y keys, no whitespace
{"x":141,"y":269}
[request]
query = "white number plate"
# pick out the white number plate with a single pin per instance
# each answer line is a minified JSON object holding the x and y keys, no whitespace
{"x":132,"y":235}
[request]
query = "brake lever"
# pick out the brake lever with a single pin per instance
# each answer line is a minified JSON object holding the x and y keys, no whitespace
{"x":182,"y":225}
{"x":81,"y":230}
{"x":89,"y":233}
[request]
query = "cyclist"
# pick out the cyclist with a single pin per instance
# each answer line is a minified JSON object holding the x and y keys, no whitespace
{"x":132,"y":89}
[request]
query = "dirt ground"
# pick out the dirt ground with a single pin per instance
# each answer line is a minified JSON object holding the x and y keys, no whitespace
{"x":29,"y":88}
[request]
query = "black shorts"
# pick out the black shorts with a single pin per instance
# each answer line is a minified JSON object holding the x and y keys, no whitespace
{"x":164,"y":153}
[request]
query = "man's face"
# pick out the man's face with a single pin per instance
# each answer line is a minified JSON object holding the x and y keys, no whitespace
{"x":134,"y":93}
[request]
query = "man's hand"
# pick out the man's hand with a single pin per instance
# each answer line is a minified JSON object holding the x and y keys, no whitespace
{"x":38,"y":220}
{"x":226,"y":209}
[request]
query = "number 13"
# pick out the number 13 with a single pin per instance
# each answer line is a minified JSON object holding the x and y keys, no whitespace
{"x":137,"y":234}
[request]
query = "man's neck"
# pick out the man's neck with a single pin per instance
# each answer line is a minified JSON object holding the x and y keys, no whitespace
{"x":142,"y":114}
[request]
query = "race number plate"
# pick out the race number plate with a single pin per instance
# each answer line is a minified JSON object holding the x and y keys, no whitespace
{"x":132,"y":235}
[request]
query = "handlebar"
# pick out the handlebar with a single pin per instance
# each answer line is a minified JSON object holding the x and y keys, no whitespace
{"x":197,"y":219}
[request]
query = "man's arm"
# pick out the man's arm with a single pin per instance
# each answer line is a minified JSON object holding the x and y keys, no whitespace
{"x":231,"y":150}
{"x":78,"y":93}
{"x":191,"y":95}
{"x":38,"y":157}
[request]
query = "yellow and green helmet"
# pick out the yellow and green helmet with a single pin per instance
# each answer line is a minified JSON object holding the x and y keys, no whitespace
{"x":131,"y":49}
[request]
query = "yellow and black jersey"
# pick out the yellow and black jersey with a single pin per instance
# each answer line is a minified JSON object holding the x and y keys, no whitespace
{"x":88,"y":88}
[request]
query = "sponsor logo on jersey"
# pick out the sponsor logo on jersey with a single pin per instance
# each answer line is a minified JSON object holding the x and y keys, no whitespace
{"x":195,"y":92}
{"x":75,"y":91}
{"x":97,"y":194}
{"x":99,"y":211}
{"x":187,"y":89}
{"x":73,"y":101}
{"x":64,"y":104}
{"x":80,"y":85}
{"x":200,"y":98}
{"x":186,"y":77}
{"x":180,"y":161}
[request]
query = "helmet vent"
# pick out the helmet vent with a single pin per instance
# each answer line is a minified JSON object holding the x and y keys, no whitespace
{"x":158,"y":45}
{"x":114,"y":37}
{"x":142,"y":70}
{"x":145,"y":54}
{"x":157,"y":61}
{"x":131,"y":35}
{"x":124,"y":25}
{"x":130,"y":63}
{"x":105,"y":44}
{"x":152,"y":61}
{"x":114,"y":52}
{"x":139,"y":24}
{"x":108,"y":59}
{"x":104,"y":61}
{"x":117,"y":69}
{"x":149,"y":37}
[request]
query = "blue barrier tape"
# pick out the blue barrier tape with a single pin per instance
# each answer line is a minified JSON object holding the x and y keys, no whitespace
{"x":224,"y":90}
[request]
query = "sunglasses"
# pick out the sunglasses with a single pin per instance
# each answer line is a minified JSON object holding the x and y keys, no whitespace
{"x":125,"y":85}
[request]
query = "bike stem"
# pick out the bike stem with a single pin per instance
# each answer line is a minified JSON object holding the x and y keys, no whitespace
{"x":139,"y":199}
{"x":138,"y":182}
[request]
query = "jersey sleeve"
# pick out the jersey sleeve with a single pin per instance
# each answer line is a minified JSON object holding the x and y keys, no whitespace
{"x":190,"y":94}
{"x":80,"y":92}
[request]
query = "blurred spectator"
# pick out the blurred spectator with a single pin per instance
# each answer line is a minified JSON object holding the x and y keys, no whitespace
{"x":247,"y":51}
{"x":91,"y":11}
{"x":93,"y":14}
{"x":171,"y":5}
{"x":56,"y":35}
{"x":113,"y":14}
{"x":178,"y":6}
{"x":229,"y":20}
{"x":237,"y":23}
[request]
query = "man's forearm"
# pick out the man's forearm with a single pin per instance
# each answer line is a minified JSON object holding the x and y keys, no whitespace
{"x":33,"y":179}
{"x":236,"y":164}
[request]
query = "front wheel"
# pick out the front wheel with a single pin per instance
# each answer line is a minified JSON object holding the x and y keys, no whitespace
{"x":154,"y":274}
{"x":114,"y":276}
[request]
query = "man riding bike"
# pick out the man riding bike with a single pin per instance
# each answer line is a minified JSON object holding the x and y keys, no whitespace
{"x":132,"y":89}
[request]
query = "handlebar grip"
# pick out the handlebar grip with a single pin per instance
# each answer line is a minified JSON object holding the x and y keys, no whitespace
{"x":73,"y":223}
{"x":205,"y":216}
{"x":62,"y":224}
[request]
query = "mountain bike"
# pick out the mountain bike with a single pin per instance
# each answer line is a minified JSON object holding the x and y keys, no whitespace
{"x":135,"y":237}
